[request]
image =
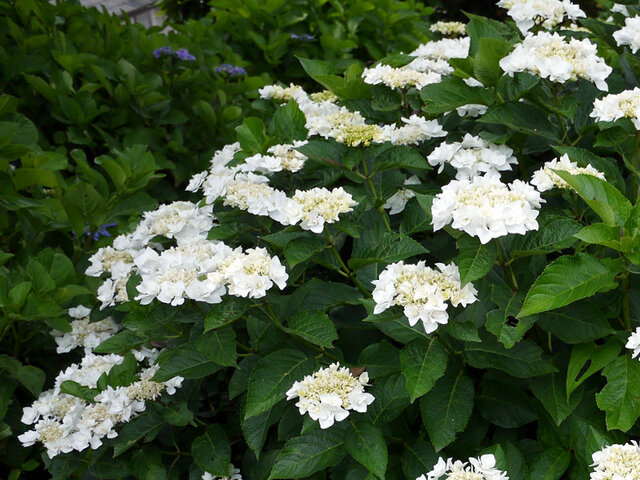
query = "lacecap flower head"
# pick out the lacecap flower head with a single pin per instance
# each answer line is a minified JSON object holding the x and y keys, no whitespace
{"x":481,"y":468}
{"x":617,"y":462}
{"x":545,"y":178}
{"x":629,"y":34}
{"x":330,"y":393}
{"x":548,"y":13}
{"x":611,"y":107}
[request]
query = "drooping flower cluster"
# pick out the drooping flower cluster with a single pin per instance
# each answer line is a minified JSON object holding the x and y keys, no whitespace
{"x":545,"y":178}
{"x":548,"y":13}
{"x":472,"y":156}
{"x":234,"y":474}
{"x":614,"y":106}
{"x":481,"y":468}
{"x":486,"y":208}
{"x":83,"y":332}
{"x":451,"y":29}
{"x":422,"y":291}
{"x":399,"y":78}
{"x":633,"y":343}
{"x":549,"y":55}
{"x":629,"y":34}
{"x":617,"y":462}
{"x":396,"y":202}
{"x":330,"y":393}
{"x":63,"y":422}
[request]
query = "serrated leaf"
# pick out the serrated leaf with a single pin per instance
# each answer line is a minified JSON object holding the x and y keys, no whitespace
{"x":566,"y":280}
{"x":555,"y":232}
{"x":391,"y":398}
{"x":219,"y":346}
{"x":486,"y":66}
{"x":550,"y":464}
{"x":211,"y":451}
{"x":145,"y":426}
{"x":619,"y":398}
{"x":452,"y":93}
{"x":521,"y":117}
{"x":289,"y":123}
{"x":255,"y":429}
{"x":504,"y":404}
{"x":146,"y":464}
{"x":315,"y":327}
{"x":272,"y":376}
{"x":302,"y":249}
{"x":474,"y":258}
{"x":523,"y":360}
{"x":380,"y":359}
{"x":502,"y":322}
{"x":392,"y":247}
{"x":226,"y":312}
{"x":446,"y":409}
{"x":366,"y":444}
{"x":309,"y":453}
{"x":552,"y":392}
{"x":418,"y":458}
{"x":597,"y":357}
{"x":423,"y":362}
{"x":579,"y":323}
{"x":184,"y":361}
{"x":30,"y":377}
{"x":603,"y":198}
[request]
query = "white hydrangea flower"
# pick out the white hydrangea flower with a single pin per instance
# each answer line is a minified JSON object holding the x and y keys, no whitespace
{"x":435,"y":65}
{"x":486,"y":208}
{"x":414,"y":131}
{"x":549,"y":55}
{"x":629,"y":34}
{"x":545,"y":178}
{"x":399,"y":78}
{"x":452,"y":29}
{"x":234,"y":474}
{"x":422,"y":292}
{"x":252,"y":273}
{"x":444,"y":49}
{"x":83,"y":332}
{"x":63,"y":423}
{"x":548,"y":13}
{"x":396,"y":202}
{"x":614,"y":106}
{"x":617,"y":462}
{"x":633,"y":343}
{"x":481,"y":468}
{"x":619,"y":8}
{"x":283,"y":157}
{"x":345,"y":127}
{"x":330,"y":393}
{"x":320,"y":205}
{"x":472,"y":156}
{"x":282,"y":94}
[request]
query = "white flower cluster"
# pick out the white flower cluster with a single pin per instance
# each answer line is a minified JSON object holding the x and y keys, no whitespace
{"x":617,"y":462}
{"x":472,"y":156}
{"x":282,"y":94}
{"x":545,"y":178}
{"x":486,"y":208}
{"x":63,"y":423}
{"x":444,"y":49}
{"x":402,"y":77}
{"x":396,"y":202}
{"x":414,"y":131}
{"x":330,"y":393}
{"x":283,"y":157}
{"x":83,"y":332}
{"x":614,"y":106}
{"x":619,"y":8}
{"x":452,"y":29}
{"x":633,"y":343}
{"x":629,"y":34}
{"x":482,"y":468}
{"x":422,"y":292}
{"x":548,"y":13}
{"x":549,"y":55}
{"x":234,"y":474}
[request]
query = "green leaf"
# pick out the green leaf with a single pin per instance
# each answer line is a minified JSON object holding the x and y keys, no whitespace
{"x":255,"y":429}
{"x":30,"y":377}
{"x":579,"y":323}
{"x":251,"y":136}
{"x":272,"y":376}
{"x":603,"y":198}
{"x":391,"y":399}
{"x":228,"y":311}
{"x":503,"y":403}
{"x":552,"y":392}
{"x":302,"y":249}
{"x":380,"y":359}
{"x":619,"y":398}
{"x":77,"y":390}
{"x":309,"y":453}
{"x":603,"y":234}
{"x":366,"y":444}
{"x":219,"y":346}
{"x":211,"y":451}
{"x":315,"y":327}
{"x":18,"y":295}
{"x":486,"y":66}
{"x":523,"y":360}
{"x":475,"y":260}
{"x":587,"y":359}
{"x":566,"y":280}
{"x":418,"y":458}
{"x":423,"y":362}
{"x":550,"y":464}
{"x":179,"y":415}
{"x":121,"y":342}
{"x":399,"y":156}
{"x":145,"y":426}
{"x":523,"y":118}
{"x":555,"y":232}
{"x":446,"y":409}
{"x":481,"y":27}
{"x":502,"y":322}
{"x":289,"y":123}
{"x":392,"y":247}
{"x":184,"y":361}
{"x":146,"y":464}
{"x":452,"y":93}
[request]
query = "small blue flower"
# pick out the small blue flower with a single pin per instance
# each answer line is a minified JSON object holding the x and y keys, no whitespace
{"x":102,"y":231}
{"x":183,"y":54}
{"x":159,"y":52}
{"x":305,"y":37}
{"x":230,"y":69}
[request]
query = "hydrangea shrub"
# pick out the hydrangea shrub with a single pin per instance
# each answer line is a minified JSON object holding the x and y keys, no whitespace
{"x":327,"y":304}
